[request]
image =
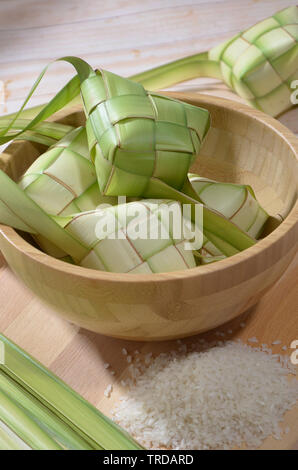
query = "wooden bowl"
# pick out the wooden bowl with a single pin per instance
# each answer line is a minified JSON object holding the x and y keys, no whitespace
{"x":243,"y":146}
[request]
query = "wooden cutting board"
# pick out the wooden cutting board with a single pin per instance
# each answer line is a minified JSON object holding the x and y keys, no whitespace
{"x":78,"y":356}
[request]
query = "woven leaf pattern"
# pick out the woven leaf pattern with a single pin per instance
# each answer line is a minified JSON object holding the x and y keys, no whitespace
{"x":135,"y":135}
{"x":63,"y":181}
{"x":118,"y":250}
{"x":261,"y":62}
{"x":235,"y":201}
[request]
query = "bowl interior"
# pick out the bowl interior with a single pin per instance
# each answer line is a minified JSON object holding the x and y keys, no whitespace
{"x":242,"y":149}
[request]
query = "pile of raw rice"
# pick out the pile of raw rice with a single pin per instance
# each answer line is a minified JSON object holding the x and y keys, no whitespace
{"x":222,"y":397}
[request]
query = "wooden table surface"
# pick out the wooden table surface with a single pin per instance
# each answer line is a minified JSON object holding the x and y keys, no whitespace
{"x":124,"y":37}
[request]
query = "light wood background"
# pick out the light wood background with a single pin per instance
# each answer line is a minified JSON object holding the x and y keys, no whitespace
{"x":124,"y":36}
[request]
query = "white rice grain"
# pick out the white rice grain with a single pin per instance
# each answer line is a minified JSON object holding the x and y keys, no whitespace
{"x":108,"y":391}
{"x":216,"y":399}
{"x":253,"y":340}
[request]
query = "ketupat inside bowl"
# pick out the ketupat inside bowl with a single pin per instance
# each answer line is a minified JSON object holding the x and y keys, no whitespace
{"x":243,"y":146}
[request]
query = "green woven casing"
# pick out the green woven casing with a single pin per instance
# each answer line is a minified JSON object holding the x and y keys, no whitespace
{"x":63,"y":179}
{"x":123,"y":248}
{"x":261,"y":62}
{"x":135,"y":135}
{"x":236,"y":202}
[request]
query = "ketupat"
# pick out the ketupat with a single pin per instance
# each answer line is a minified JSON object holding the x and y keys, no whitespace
{"x":46,"y":133}
{"x":62,"y":180}
{"x":135,"y":135}
{"x":237,"y":202}
{"x":259,"y":64}
{"x":113,"y":239}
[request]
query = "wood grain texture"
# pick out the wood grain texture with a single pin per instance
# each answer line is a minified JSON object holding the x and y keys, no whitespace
{"x":125,"y":37}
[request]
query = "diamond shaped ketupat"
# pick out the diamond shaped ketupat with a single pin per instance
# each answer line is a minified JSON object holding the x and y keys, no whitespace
{"x":135,"y":135}
{"x":121,"y":250}
{"x":62,"y":180}
{"x":237,"y":202}
{"x":260,"y":63}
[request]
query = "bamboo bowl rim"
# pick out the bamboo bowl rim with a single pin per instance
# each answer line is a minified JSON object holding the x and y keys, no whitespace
{"x":238,"y":260}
